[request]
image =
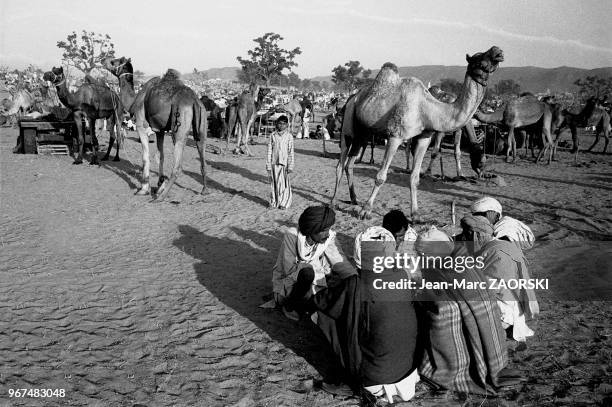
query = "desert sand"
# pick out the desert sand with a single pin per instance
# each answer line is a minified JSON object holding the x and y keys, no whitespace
{"x":123,"y":302}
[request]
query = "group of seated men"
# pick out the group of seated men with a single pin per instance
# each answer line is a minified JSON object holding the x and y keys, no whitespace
{"x":386,"y":341}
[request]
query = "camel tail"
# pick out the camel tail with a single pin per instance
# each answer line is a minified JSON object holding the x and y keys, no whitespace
{"x":200,"y":122}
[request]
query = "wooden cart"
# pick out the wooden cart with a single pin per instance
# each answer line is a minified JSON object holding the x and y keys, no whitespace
{"x":41,"y":137}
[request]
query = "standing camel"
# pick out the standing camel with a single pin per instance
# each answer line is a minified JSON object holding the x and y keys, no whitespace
{"x":519,"y":113}
{"x":93,"y":100}
{"x":166,"y":104}
{"x":242,"y":114}
{"x":404,"y":110}
{"x":293,"y":108}
{"x":592,"y":114}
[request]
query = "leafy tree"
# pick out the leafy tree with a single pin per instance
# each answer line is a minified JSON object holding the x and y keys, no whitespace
{"x":307,"y":84}
{"x":594,"y":86}
{"x":507,"y":87}
{"x":294,"y":79}
{"x":351,"y":76}
{"x":267,"y":59}
{"x":451,"y":86}
{"x":86,"y":51}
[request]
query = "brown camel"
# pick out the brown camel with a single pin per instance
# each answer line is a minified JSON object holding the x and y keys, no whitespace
{"x":476,"y":153}
{"x":404,"y":110}
{"x":519,"y":113}
{"x":166,"y":104}
{"x":246,"y":108}
{"x":93,"y":100}
{"x":592,"y":114}
{"x":215,"y":118}
{"x":293,"y":109}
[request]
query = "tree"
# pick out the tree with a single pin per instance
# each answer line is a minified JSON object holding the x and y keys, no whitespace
{"x":294,"y":79}
{"x":307,"y":84}
{"x":451,"y":86}
{"x":86,"y":52}
{"x":507,"y":87}
{"x":594,"y":86}
{"x":351,"y":76}
{"x":267,"y":59}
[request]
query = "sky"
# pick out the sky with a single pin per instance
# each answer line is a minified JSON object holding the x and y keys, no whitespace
{"x":184,"y":35}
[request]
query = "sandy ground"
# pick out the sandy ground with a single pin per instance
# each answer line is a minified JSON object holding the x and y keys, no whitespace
{"x":120,"y":301}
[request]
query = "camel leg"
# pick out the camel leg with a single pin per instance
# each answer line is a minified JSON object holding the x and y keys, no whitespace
{"x":457,"y":145}
{"x":597,"y":132}
{"x":145,"y":187}
{"x":363,"y":150}
{"x":78,"y":118}
{"x":372,"y":151}
{"x":419,"y":154}
{"x":435,"y":152}
{"x":349,"y":176}
{"x":339,"y":171}
{"x":179,"y":145}
{"x":201,"y":145}
{"x":111,"y":142}
{"x":94,"y":143}
{"x":115,"y":130}
{"x":408,"y":152}
{"x":381,"y":176}
{"x":245,"y":137}
{"x":159,"y":137}
{"x":511,"y":145}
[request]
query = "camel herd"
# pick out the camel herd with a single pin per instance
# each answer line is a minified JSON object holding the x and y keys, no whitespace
{"x":400,"y":110}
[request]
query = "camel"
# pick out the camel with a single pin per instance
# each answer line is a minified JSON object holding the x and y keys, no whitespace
{"x":242,"y":114}
{"x":592,"y":114}
{"x":404,"y":110}
{"x":293,"y":108}
{"x":217,"y":124}
{"x":93,"y":100}
{"x":518,"y":113}
{"x":165,"y":104}
{"x":21,"y":103}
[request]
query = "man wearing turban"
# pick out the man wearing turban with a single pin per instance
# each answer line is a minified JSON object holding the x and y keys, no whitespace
{"x":503,"y":260}
{"x":307,"y":257}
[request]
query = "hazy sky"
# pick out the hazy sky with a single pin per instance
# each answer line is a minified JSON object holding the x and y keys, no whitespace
{"x":204,"y":34}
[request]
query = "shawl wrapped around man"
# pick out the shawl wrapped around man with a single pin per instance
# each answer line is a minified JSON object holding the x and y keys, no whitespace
{"x":461,"y":333}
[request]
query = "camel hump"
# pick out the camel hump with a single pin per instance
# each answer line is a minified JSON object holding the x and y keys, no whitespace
{"x":390,"y":65}
{"x":172,"y":75}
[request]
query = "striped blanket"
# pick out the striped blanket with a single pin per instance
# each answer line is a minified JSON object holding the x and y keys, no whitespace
{"x":464,"y":343}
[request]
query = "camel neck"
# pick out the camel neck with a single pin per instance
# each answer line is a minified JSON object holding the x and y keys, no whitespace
{"x":126,"y":91}
{"x":466,"y":104}
{"x":64,"y":95}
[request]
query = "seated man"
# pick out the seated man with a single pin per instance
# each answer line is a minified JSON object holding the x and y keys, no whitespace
{"x":491,"y":209}
{"x":461,"y":333}
{"x":307,"y":257}
{"x":387,"y":321}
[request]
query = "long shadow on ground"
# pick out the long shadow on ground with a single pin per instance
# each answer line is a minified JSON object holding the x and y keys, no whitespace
{"x":240,"y":281}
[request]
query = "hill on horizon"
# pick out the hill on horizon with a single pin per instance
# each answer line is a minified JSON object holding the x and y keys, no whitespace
{"x":530,"y":78}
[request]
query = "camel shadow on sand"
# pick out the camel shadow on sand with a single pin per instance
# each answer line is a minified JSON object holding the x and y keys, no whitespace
{"x":241,"y":280}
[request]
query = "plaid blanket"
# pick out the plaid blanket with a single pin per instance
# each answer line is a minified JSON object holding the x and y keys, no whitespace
{"x":464,"y":343}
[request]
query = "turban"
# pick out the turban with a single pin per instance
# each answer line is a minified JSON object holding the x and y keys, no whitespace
{"x":434,"y":242}
{"x":515,"y":230}
{"x":478,"y":224}
{"x":486,"y":204}
{"x":316,"y":219}
{"x":373,"y":234}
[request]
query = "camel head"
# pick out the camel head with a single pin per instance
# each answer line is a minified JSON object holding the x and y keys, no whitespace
{"x":482,"y":64}
{"x":55,"y":76}
{"x":119,"y":66}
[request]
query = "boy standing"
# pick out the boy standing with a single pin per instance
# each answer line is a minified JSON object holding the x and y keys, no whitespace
{"x":279,"y":164}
